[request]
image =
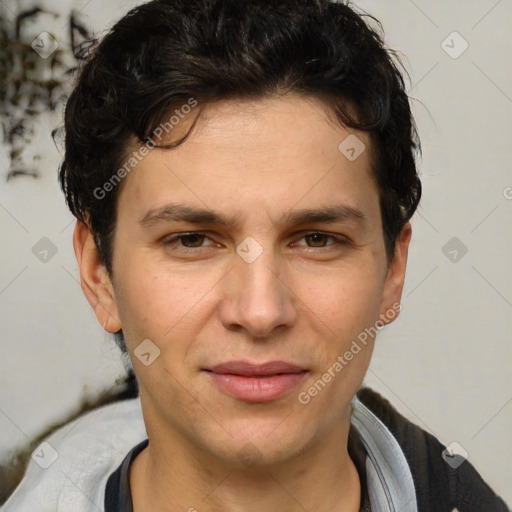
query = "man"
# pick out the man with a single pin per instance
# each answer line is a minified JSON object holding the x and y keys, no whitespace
{"x":243,"y":175}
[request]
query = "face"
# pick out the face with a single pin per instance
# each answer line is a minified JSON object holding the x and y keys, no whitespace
{"x":248,"y":261}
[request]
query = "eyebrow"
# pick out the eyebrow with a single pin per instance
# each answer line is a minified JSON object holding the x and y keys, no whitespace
{"x":181,"y":213}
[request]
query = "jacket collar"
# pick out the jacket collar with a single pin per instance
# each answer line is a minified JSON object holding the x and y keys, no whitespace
{"x":389,"y":478}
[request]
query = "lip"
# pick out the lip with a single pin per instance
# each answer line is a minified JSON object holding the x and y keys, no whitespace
{"x":252,"y":382}
{"x":252,"y":369}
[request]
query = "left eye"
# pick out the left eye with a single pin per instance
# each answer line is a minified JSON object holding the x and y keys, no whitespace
{"x":319,"y":239}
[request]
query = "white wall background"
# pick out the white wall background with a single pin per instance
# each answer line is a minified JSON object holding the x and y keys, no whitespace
{"x":446,"y":363}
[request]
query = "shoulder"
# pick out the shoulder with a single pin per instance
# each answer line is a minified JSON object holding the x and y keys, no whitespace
{"x":439,"y":486}
{"x":70,"y":468}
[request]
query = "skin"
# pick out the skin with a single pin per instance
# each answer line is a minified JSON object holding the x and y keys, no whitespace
{"x":303,"y":300}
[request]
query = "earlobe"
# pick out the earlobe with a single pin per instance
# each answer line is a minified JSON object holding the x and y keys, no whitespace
{"x":392,"y":293}
{"x":94,"y":279}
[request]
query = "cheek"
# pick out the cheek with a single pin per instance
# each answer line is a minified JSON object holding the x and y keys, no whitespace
{"x":345,"y":302}
{"x":160,"y":303}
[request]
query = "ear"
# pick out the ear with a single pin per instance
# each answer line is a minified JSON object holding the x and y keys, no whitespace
{"x":94,"y":279}
{"x":392,"y":293}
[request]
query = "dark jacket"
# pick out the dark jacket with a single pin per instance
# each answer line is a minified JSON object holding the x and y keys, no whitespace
{"x":439,"y":487}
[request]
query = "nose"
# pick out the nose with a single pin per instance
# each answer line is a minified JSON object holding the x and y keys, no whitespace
{"x":258,"y":298}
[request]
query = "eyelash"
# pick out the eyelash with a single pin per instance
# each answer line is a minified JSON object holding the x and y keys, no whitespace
{"x":175,"y":238}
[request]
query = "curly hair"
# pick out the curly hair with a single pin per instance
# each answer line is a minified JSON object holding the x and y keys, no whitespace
{"x":165,"y":52}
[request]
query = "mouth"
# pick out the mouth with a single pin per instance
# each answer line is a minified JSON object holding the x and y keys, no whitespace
{"x":256,"y":382}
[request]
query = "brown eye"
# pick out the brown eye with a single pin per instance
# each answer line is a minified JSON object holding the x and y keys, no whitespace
{"x":188,"y":241}
{"x":324,"y":242}
{"x":317,"y":239}
{"x":192,"y":240}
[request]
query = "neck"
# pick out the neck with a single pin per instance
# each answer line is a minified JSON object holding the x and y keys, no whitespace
{"x":165,"y":478}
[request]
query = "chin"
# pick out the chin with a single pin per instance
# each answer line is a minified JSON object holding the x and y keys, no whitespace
{"x":262,"y":443}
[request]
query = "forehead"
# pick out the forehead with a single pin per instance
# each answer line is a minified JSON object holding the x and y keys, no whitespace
{"x":249,"y":156}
